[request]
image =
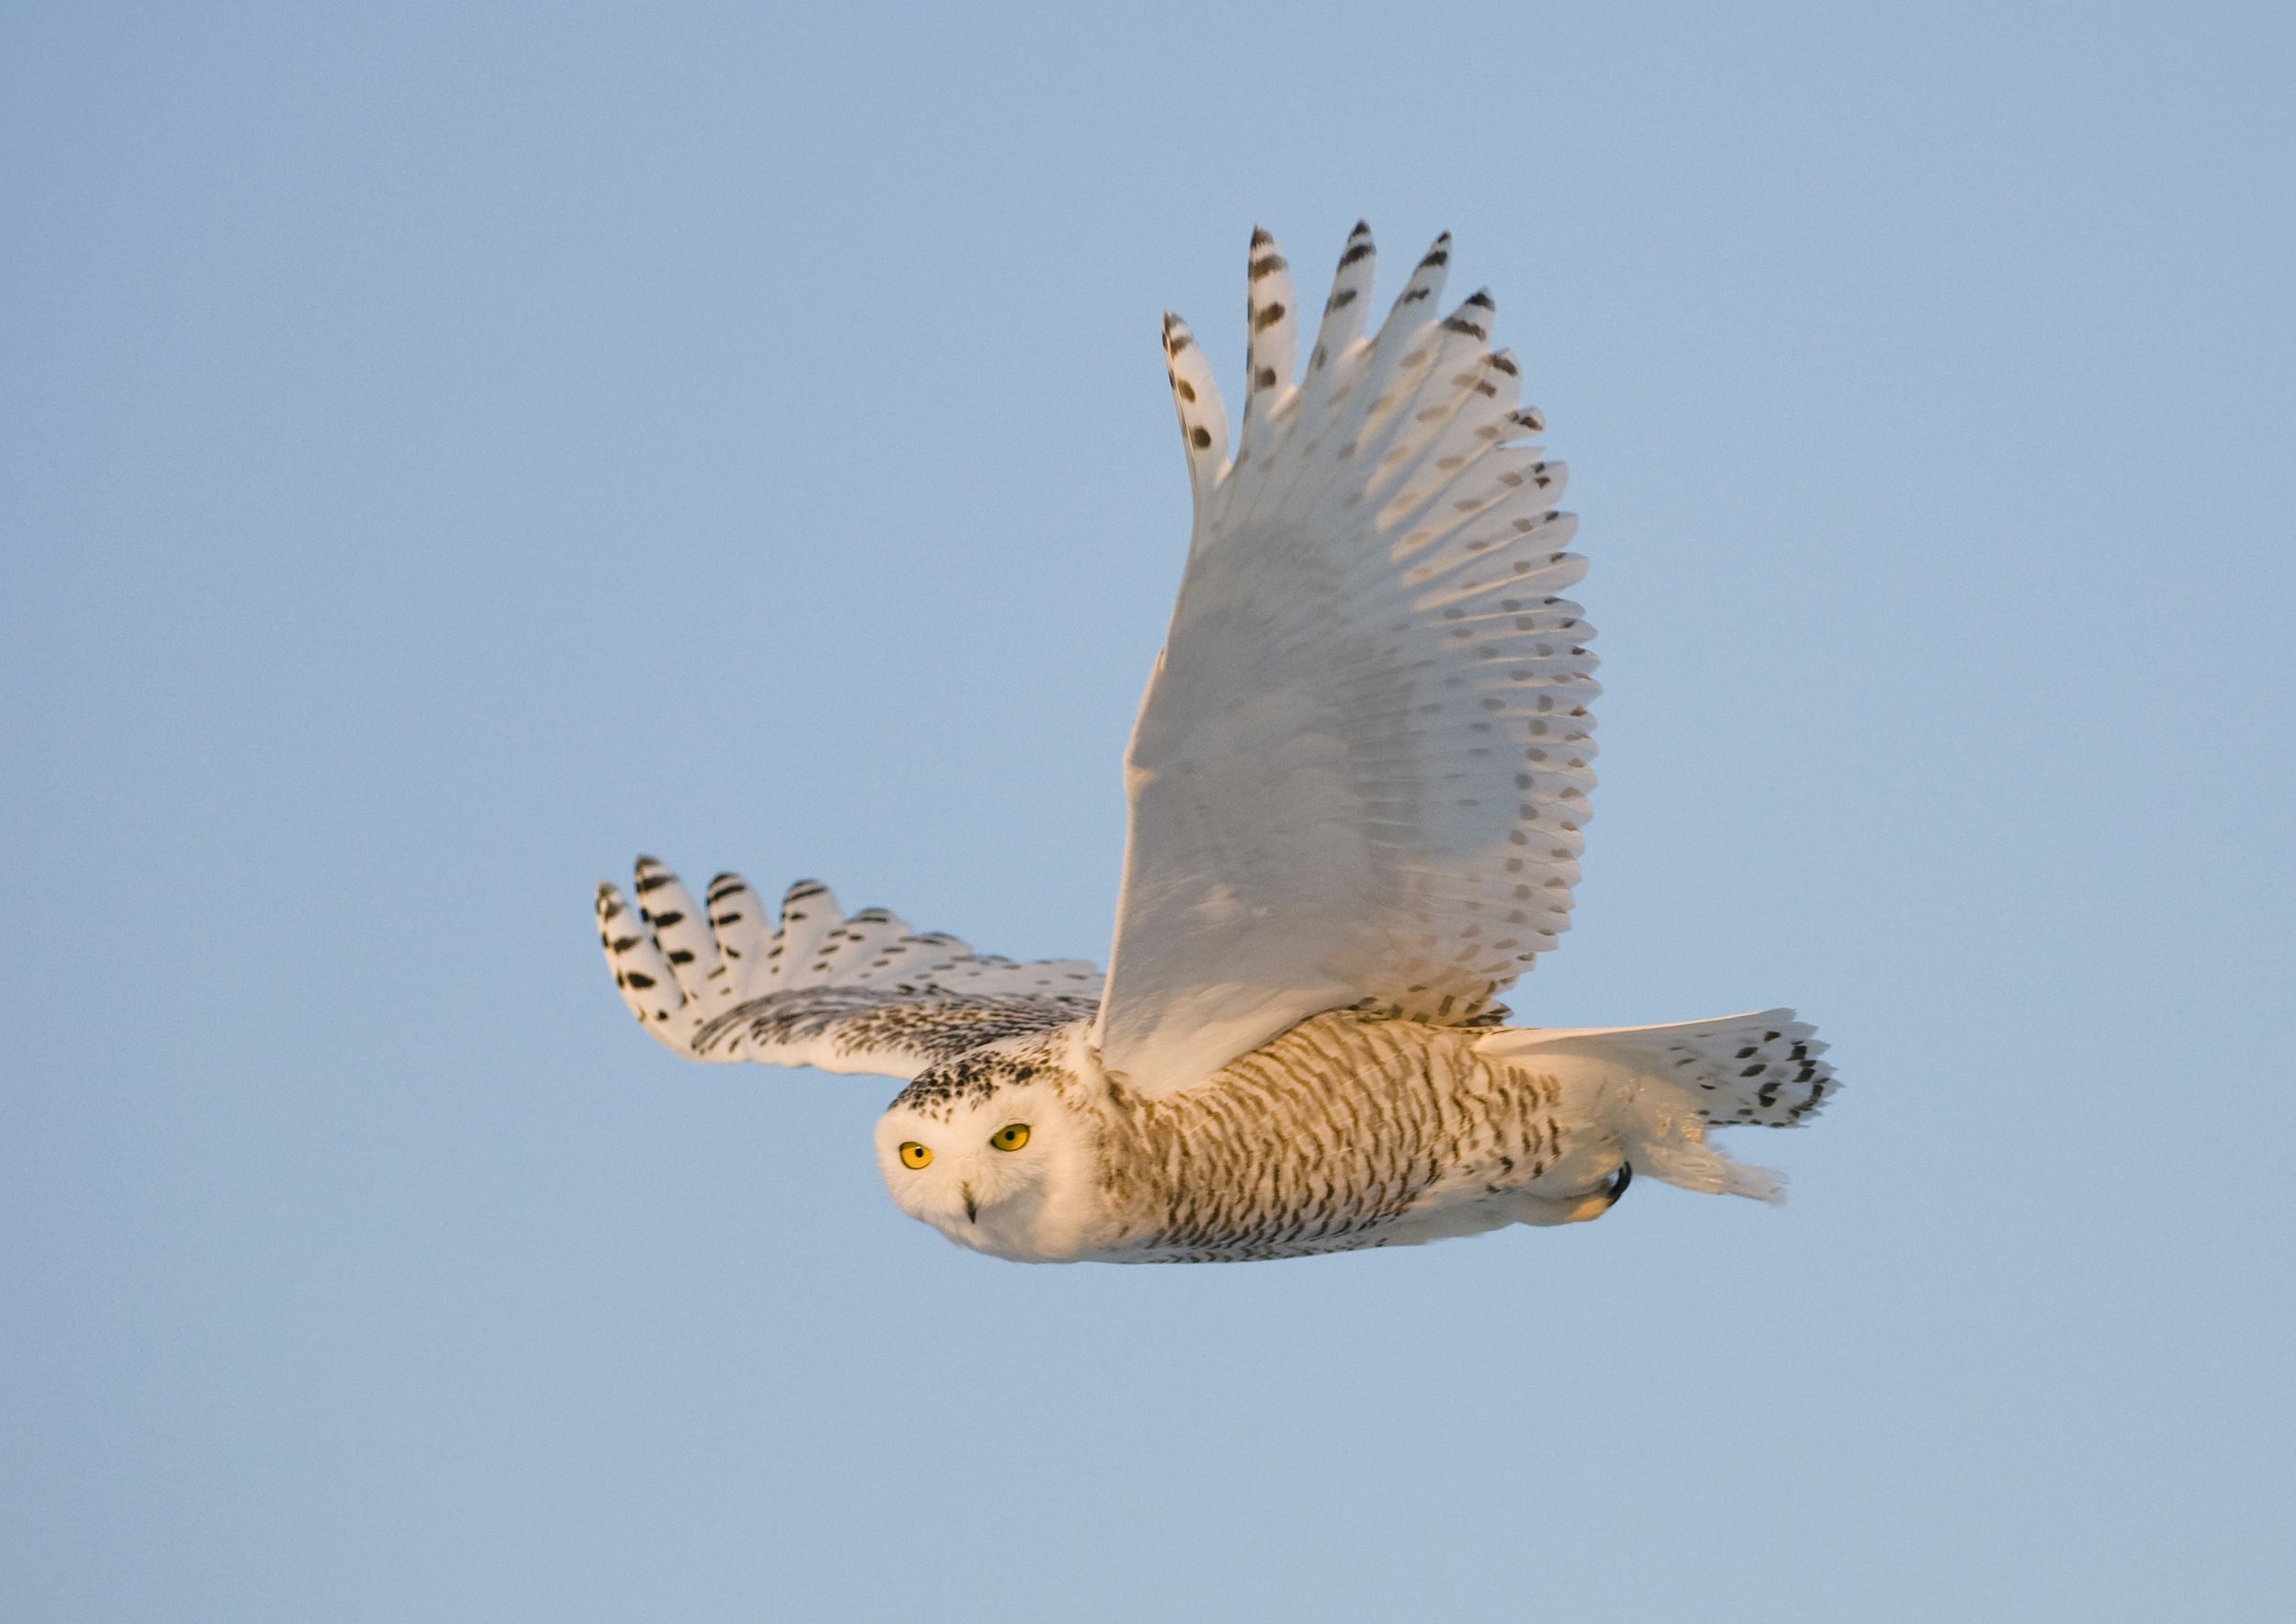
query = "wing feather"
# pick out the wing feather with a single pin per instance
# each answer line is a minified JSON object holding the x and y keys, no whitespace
{"x":1203,"y":416}
{"x":1361,"y":768}
{"x":863,"y":994}
{"x":1272,"y":321}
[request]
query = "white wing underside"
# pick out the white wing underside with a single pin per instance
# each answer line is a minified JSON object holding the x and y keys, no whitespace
{"x":860,"y":994}
{"x":1362,"y":763}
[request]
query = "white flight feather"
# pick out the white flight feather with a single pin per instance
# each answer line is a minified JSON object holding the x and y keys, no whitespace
{"x":1361,"y":763}
{"x":862,"y":995}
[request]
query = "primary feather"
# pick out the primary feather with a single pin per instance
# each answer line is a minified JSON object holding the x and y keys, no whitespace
{"x":863,"y":994}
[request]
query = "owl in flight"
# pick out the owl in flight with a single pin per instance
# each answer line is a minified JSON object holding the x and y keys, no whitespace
{"x":1358,"y":783}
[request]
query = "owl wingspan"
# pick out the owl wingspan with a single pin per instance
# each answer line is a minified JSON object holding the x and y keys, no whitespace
{"x":1361,"y":766}
{"x":859,"y":993}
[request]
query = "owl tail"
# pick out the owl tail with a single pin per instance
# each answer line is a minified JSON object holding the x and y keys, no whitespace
{"x":1663,"y":1086}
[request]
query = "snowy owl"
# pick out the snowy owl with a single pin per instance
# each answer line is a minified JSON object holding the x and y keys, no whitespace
{"x":1357,"y":782}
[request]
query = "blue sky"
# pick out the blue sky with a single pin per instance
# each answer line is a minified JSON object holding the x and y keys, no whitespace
{"x":453,"y":449}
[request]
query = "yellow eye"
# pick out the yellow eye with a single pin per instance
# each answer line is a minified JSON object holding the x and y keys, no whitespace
{"x":1012,"y":1136}
{"x":914,"y":1155}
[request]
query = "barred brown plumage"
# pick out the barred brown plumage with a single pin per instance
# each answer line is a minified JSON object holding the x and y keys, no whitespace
{"x":1352,"y":1130}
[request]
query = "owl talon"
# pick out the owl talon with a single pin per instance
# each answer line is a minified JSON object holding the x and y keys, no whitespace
{"x":1583,"y":1209}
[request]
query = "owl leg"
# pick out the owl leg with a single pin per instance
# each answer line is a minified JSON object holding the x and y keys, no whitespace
{"x":1543,"y":1210}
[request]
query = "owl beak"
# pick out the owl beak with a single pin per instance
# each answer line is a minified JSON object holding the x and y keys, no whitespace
{"x":971,"y":1207}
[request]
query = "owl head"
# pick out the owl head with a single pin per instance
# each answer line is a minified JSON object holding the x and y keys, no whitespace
{"x":993,"y":1150}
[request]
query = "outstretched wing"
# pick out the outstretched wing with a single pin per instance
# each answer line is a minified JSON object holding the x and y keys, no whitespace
{"x":860,"y":994}
{"x":1362,"y":763}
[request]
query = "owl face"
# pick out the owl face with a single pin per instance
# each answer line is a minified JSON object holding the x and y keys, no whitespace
{"x":997,"y":1169}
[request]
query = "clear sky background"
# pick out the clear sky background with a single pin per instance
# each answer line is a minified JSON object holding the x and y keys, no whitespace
{"x":450,"y":449}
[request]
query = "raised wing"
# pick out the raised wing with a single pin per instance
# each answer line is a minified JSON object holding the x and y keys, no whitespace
{"x":861,"y":994}
{"x":1362,"y":763}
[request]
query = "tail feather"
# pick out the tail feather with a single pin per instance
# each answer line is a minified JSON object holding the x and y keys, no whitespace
{"x":1666,"y":1085}
{"x":1761,"y":1069}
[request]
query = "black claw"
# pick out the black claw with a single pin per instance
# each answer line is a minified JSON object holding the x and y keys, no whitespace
{"x":1625,"y":1176}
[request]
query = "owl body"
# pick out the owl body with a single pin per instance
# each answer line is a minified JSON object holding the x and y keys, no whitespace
{"x":1358,"y":785}
{"x":1349,"y":1131}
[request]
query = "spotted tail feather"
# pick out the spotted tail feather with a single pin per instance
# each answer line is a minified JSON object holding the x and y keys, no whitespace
{"x":1760,"y":1070}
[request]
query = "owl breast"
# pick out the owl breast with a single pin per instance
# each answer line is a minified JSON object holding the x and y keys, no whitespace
{"x":1346,"y":1131}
